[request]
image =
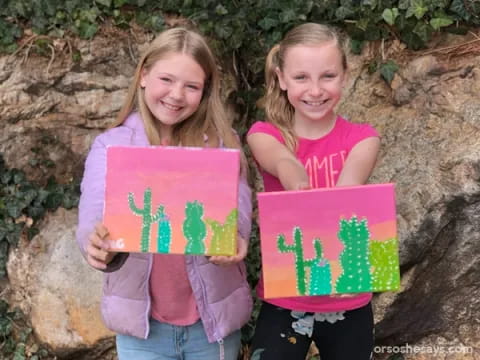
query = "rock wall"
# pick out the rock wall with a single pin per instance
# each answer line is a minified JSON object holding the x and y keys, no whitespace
{"x":429,"y":120}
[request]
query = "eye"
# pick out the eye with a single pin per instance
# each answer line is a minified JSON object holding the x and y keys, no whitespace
{"x":193,"y":87}
{"x":300,"y":78}
{"x":165,"y":79}
{"x":330,"y":75}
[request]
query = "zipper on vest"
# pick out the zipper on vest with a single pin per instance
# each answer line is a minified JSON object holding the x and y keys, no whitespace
{"x":204,"y":294}
{"x":149,"y":300}
{"x":222,"y":349}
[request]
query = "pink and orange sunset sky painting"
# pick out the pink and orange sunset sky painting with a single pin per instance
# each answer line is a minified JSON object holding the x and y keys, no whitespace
{"x":175,"y":175}
{"x":318,"y":212}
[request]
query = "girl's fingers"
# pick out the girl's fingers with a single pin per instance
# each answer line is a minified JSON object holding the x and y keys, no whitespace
{"x":95,"y":263}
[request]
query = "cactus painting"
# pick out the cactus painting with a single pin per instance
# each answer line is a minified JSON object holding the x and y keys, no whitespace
{"x":329,"y":241}
{"x":164,"y":235}
{"x":172,"y":200}
{"x":302,"y":264}
{"x":145,"y":214}
{"x":194,"y":228}
{"x":224,"y":239}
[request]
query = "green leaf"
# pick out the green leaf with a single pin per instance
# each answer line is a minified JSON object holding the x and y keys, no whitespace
{"x":438,"y":23}
{"x":106,"y":3}
{"x":403,"y":4}
{"x":417,"y":8}
{"x":221,"y":10}
{"x":87,"y":30}
{"x":423,"y":31}
{"x":344,"y":12}
{"x":388,"y":70}
{"x":267,"y":23}
{"x":356,"y":46}
{"x":389,"y":15}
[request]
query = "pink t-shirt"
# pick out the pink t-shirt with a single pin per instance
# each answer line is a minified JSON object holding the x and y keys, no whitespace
{"x":323,"y":159}
{"x":172,"y":296}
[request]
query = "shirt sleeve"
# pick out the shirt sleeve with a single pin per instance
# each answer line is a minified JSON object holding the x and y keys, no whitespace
{"x":361,"y":132}
{"x":266,"y":128}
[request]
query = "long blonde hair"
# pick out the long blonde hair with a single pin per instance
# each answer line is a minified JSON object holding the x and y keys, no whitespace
{"x":278,"y":109}
{"x":211,"y":116}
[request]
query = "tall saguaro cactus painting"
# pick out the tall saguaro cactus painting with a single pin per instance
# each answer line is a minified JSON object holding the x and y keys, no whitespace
{"x":175,"y":200}
{"x":327,"y":241}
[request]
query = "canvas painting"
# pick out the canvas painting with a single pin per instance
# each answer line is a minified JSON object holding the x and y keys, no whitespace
{"x":176,"y":200}
{"x":329,"y":241}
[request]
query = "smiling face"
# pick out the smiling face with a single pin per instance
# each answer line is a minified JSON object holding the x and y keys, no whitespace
{"x":313,"y":77}
{"x":173,"y":89}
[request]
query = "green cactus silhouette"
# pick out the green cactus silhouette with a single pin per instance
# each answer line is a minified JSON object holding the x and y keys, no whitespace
{"x":147,"y":217}
{"x":164,"y":233}
{"x":194,"y":229}
{"x":320,"y":273}
{"x":224,"y":236}
{"x":384,"y":259}
{"x":301,"y":264}
{"x":354,"y":257}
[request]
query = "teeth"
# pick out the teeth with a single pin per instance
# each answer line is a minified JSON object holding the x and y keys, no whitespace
{"x":172,"y":107}
{"x":315,"y":103}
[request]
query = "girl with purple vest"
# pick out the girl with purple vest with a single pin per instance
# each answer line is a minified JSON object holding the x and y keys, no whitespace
{"x":169,"y":306}
{"x":304,"y":144}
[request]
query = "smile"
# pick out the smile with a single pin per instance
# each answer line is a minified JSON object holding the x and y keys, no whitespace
{"x":171,"y":107}
{"x":315,"y":103}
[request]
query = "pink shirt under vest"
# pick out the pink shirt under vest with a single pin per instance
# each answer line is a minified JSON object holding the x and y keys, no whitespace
{"x":323,"y":159}
{"x":172,"y":296}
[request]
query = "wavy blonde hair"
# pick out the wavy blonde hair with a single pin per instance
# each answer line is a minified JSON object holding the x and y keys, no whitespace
{"x":211,"y":116}
{"x":278,"y":109}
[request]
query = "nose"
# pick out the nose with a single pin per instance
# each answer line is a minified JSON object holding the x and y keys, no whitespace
{"x":176,"y":91}
{"x":315,"y":89}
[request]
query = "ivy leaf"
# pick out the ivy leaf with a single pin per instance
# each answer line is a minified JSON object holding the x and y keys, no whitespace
{"x":417,"y":8}
{"x":423,"y":31}
{"x":363,"y":23}
{"x":389,"y":15}
{"x":287,"y":16}
{"x":403,"y":4}
{"x":356,"y":46}
{"x":388,"y":70}
{"x":437,"y":23}
{"x":86,"y":30}
{"x":458,"y":7}
{"x":106,"y":3}
{"x":221,"y":10}
{"x":372,"y":3}
{"x":343,"y":12}
{"x":267,"y":23}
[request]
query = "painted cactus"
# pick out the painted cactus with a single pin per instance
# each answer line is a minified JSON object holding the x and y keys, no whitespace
{"x":194,"y":229}
{"x":164,"y":234}
{"x":384,"y":260}
{"x":355,"y":257}
{"x":301,"y":264}
{"x":224,"y":236}
{"x":320,"y":273}
{"x":147,"y":217}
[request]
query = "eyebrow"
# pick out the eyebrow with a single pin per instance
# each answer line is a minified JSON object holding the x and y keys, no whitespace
{"x":188,"y":81}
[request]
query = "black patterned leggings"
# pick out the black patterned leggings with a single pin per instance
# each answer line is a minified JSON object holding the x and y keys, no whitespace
{"x":281,"y":334}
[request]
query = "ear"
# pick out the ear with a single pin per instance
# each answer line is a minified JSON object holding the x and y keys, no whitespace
{"x":281,"y":79}
{"x":143,"y":74}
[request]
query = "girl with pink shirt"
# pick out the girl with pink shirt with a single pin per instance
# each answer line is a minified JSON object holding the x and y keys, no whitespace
{"x":304,"y":144}
{"x":168,"y":306}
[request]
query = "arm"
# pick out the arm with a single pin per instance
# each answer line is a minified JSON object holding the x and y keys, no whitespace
{"x":360,"y":162}
{"x":90,"y":234}
{"x":278,"y":161}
